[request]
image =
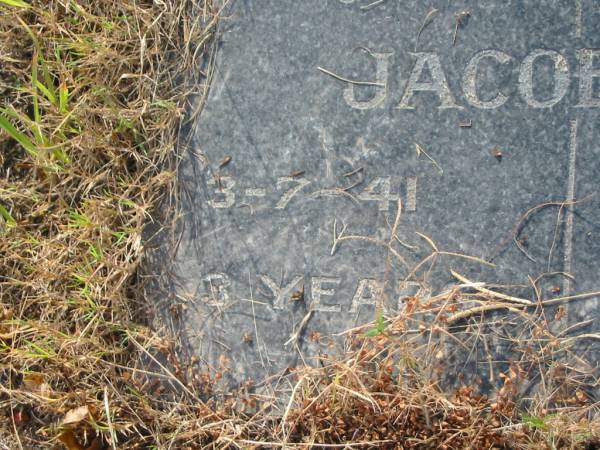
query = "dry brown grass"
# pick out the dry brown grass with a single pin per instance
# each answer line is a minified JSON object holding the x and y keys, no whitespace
{"x":93,"y":93}
{"x":100,"y":125}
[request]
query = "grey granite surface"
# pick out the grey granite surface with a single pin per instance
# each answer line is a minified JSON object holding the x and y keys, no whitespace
{"x":325,"y":115}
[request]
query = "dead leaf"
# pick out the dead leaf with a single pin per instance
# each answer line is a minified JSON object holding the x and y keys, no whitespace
{"x":70,"y":441}
{"x":76,"y":415}
{"x":96,"y":445}
{"x":68,"y":438}
{"x":35,"y":383}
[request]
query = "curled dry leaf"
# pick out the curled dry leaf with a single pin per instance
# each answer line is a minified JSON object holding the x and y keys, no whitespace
{"x":35,"y":383}
{"x":68,"y":438}
{"x":76,"y":415}
{"x":70,"y":441}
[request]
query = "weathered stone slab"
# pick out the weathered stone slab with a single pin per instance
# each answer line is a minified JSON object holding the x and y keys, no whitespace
{"x":325,"y":115}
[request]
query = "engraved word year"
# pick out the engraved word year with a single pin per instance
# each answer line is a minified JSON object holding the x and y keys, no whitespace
{"x":321,"y":293}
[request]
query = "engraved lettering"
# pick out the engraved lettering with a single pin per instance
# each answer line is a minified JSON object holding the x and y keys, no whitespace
{"x":428,"y":75}
{"x":287,"y":196}
{"x":411,"y":194}
{"x":379,"y":190}
{"x":368,"y":292}
{"x":470,"y":80}
{"x":281,"y":294}
{"x":578,"y":18}
{"x":317,"y":291}
{"x":587,"y":75}
{"x":561,"y":78}
{"x":381,"y":77}
{"x":438,"y":83}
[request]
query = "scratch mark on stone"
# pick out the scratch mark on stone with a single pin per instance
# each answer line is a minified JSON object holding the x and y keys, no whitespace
{"x":256,"y":192}
{"x":326,"y":145}
{"x":411,"y":194}
{"x":568,"y":247}
{"x":578,"y":18}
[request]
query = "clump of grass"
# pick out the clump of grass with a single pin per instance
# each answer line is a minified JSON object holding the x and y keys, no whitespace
{"x":93,"y":94}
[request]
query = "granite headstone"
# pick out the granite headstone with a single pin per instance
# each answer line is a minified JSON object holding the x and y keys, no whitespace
{"x":344,"y":141}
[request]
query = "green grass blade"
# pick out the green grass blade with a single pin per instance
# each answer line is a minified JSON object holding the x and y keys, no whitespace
{"x":38,"y":58}
{"x":31,"y":34}
{"x":380,"y":324}
{"x":47,"y":77}
{"x":61,"y":155}
{"x":372,"y":332}
{"x":29,"y":124}
{"x":47,"y":92}
{"x":17,"y":3}
{"x":8,"y":219}
{"x":37,"y":117}
{"x":535,"y":422}
{"x":63,"y":98}
{"x":12,"y":131}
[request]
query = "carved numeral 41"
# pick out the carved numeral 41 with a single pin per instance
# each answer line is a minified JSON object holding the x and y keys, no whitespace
{"x":380,"y":190}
